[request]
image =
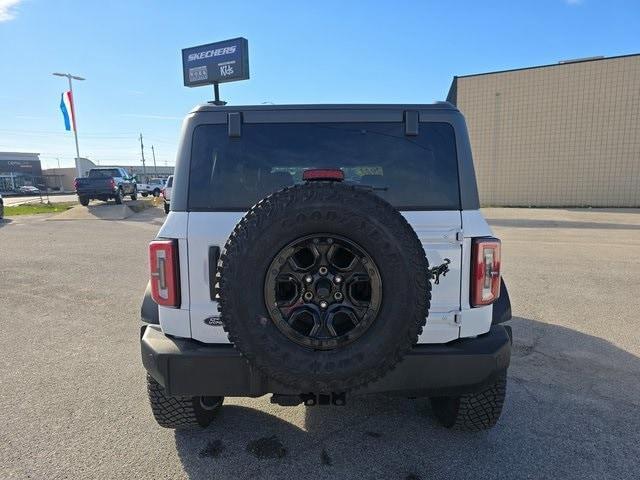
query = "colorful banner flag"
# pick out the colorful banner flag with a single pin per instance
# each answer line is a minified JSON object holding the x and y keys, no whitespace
{"x":66,"y":106}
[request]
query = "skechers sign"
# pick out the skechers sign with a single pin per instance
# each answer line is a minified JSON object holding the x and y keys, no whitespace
{"x":218,"y":62}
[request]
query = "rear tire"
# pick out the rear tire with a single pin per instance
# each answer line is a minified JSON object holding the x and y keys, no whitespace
{"x":118,"y":197}
{"x":166,"y":208}
{"x":156,"y":193}
{"x":474,"y":411}
{"x":144,"y":194}
{"x":84,"y":201}
{"x":295,"y":359}
{"x":181,"y":412}
{"x":134,"y":195}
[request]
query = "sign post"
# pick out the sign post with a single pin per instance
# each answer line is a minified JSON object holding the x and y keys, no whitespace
{"x":216,"y":63}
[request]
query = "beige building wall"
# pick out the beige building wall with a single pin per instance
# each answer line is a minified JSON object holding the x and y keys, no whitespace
{"x":60,"y":178}
{"x":560,"y":135}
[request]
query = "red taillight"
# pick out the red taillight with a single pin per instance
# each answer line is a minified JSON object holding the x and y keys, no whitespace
{"x":334,"y":174}
{"x":112,"y":182}
{"x":485,"y":271}
{"x":165,"y":276}
{"x":162,"y":192}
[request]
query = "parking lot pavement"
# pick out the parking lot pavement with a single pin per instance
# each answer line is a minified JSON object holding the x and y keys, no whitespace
{"x":73,"y":396}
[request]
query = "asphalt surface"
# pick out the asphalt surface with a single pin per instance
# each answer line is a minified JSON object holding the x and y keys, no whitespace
{"x":72,"y":390}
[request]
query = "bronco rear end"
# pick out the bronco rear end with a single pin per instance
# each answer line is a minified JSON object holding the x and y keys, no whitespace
{"x":320,"y":252}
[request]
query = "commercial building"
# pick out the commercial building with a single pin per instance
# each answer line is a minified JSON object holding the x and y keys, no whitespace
{"x":19,"y":169}
{"x":566,"y":134}
{"x":59,"y":179}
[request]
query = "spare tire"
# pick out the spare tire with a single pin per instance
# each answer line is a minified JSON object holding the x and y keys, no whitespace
{"x":323,"y":287}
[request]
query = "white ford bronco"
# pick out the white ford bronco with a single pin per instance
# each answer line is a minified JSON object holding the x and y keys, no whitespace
{"x":320,"y":252}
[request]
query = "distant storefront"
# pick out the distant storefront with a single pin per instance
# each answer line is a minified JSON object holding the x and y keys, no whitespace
{"x":18,"y":169}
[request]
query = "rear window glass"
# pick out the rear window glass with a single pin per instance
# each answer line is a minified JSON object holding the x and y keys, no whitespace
{"x":410,"y":172}
{"x":104,"y":172}
{"x":170,"y":182}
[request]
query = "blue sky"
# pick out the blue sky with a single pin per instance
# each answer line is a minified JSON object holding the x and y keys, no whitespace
{"x":300,"y":52}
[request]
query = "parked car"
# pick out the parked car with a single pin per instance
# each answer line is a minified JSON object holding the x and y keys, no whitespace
{"x":29,"y":190}
{"x":166,"y":194}
{"x":104,"y":184}
{"x":154,"y":187}
{"x":318,"y":252}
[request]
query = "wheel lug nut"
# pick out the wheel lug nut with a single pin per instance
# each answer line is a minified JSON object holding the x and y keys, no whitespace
{"x":322,"y":270}
{"x":337,"y":279}
{"x":308,"y":296}
{"x":308,"y":279}
{"x":323,"y":304}
{"x":337,"y":296}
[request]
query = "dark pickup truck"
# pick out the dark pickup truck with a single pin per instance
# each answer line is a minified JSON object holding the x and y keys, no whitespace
{"x":105,"y":183}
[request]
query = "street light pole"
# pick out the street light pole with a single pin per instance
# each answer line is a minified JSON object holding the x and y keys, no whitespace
{"x":144,"y":166}
{"x":155,"y":168}
{"x":73,"y":114}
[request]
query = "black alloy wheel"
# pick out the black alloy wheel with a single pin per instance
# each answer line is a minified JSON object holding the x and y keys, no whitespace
{"x":323,"y":291}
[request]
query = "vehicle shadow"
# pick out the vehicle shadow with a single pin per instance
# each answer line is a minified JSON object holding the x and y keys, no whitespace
{"x":5,"y":221}
{"x":571,"y":412}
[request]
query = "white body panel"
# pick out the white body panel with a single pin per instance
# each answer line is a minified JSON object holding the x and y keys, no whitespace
{"x":206,"y":229}
{"x":438,"y":232}
{"x":444,"y":234}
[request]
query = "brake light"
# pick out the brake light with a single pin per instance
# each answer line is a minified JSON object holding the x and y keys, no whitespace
{"x":334,"y":174}
{"x":112,"y":183}
{"x":165,"y":276}
{"x":485,"y":271}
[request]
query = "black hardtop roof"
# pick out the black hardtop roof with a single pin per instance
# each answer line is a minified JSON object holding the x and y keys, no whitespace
{"x":209,"y":107}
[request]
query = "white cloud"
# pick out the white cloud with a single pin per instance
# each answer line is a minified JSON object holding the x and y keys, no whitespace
{"x":8,"y":9}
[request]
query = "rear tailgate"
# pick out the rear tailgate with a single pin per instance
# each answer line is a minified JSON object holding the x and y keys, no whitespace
{"x":439,"y":232}
{"x":413,"y":167}
{"x":94,"y":185}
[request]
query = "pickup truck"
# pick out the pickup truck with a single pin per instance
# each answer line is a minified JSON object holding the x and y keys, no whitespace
{"x":105,"y":183}
{"x":154,"y":187}
{"x":166,"y":194}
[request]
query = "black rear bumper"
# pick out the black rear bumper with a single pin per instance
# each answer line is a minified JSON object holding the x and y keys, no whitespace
{"x":188,"y":367}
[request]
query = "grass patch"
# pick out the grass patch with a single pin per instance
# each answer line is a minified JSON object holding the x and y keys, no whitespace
{"x":36,"y":208}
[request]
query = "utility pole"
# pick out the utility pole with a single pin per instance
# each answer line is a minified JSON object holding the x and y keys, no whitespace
{"x":155,"y":168}
{"x":73,"y":114}
{"x":144,"y":167}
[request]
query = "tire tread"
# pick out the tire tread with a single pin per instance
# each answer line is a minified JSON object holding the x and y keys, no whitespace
{"x":475,"y":411}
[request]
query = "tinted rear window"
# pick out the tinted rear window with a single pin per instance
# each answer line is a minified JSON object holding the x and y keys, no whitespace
{"x":410,"y":172}
{"x":104,"y":172}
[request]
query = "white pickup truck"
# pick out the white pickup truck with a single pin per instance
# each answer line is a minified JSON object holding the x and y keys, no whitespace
{"x":154,"y":187}
{"x":166,"y":194}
